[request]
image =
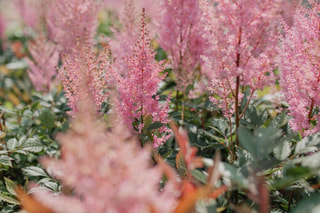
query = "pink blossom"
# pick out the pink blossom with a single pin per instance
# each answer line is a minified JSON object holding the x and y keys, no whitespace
{"x":107,"y":171}
{"x":180,"y":34}
{"x":124,"y":39}
{"x":242,"y":38}
{"x":45,"y":58}
{"x":2,"y":27}
{"x":85,"y":74}
{"x":72,"y":20}
{"x":299,"y":69}
{"x":32,"y":11}
{"x":138,"y":89}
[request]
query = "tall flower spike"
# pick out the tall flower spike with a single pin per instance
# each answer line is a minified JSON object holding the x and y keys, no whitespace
{"x":138,"y":89}
{"x":32,"y":11}
{"x":181,"y":36}
{"x":242,"y":39}
{"x":42,"y":68}
{"x":299,"y":64}
{"x":72,"y":20}
{"x":85,"y":74}
{"x":124,"y":39}
{"x":101,"y":168}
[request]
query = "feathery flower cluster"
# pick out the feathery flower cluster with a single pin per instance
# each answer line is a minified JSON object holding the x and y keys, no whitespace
{"x":85,"y":74}
{"x":72,"y":20}
{"x":101,"y":167}
{"x":45,"y":58}
{"x":241,"y":39}
{"x":123,"y":43}
{"x":138,"y":88}
{"x":2,"y":26}
{"x":181,"y":36}
{"x":32,"y":11}
{"x":299,"y":64}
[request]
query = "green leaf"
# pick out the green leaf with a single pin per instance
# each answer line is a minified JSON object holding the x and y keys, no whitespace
{"x":235,"y":176}
{"x":10,"y":185}
{"x":308,"y":144}
{"x":261,"y":142}
{"x":47,"y":119}
{"x":6,"y":160}
{"x":282,"y":151}
{"x":6,"y":110}
{"x":155,"y":125}
{"x":198,"y":175}
{"x":34,"y":171}
{"x":32,"y":145}
{"x":279,"y":121}
{"x":9,"y":199}
{"x":12,"y":144}
{"x":310,"y":205}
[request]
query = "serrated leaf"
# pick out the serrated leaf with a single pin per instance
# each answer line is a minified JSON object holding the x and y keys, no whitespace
{"x":307,"y":144}
{"x":34,"y":171}
{"x":310,"y":205}
{"x":52,"y":185}
{"x":6,"y":160}
{"x":22,"y":140}
{"x":10,"y":186}
{"x":12,"y":144}
{"x":9,"y":199}
{"x":32,"y":145}
{"x":279,"y":121}
{"x":44,"y":180}
{"x":282,"y":151}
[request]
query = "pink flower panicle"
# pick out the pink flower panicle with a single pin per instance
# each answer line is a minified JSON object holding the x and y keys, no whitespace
{"x":101,"y":168}
{"x":242,"y":36}
{"x":72,"y":20}
{"x":138,"y":88}
{"x":299,"y":64}
{"x":85,"y":74}
{"x":124,"y":38}
{"x":45,"y":58}
{"x":181,"y":36}
{"x":32,"y":11}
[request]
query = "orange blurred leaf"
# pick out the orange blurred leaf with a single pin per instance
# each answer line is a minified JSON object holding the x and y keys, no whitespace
{"x":30,"y":204}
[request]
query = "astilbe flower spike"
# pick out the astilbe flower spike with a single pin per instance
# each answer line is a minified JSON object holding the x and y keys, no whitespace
{"x":106,"y":170}
{"x":45,"y":58}
{"x":242,"y":36}
{"x":138,"y":89}
{"x":72,"y":20}
{"x":180,"y":34}
{"x":32,"y":11}
{"x":2,"y":26}
{"x":124,"y":39}
{"x":299,"y":64}
{"x":86,"y":74}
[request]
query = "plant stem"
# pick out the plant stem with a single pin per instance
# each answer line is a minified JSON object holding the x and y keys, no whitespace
{"x":237,"y":87}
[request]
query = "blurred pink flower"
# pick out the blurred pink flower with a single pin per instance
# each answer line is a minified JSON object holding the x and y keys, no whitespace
{"x":125,"y":38}
{"x":2,"y":27}
{"x":32,"y":11}
{"x":299,"y":64}
{"x":106,"y":170}
{"x":71,"y":21}
{"x":42,"y":65}
{"x":180,"y":34}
